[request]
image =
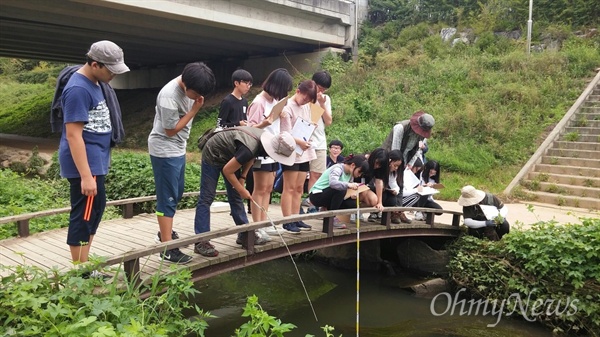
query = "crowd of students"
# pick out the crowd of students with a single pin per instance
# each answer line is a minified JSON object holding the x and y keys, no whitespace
{"x":250,"y":146}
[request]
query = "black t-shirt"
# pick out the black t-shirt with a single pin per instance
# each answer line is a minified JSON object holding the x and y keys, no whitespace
{"x":232,"y":111}
{"x":244,"y":155}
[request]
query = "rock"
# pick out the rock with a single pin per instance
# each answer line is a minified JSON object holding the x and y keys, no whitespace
{"x":431,"y":288}
{"x":515,"y":34}
{"x":447,"y":33}
{"x":417,"y":255}
{"x":460,"y":40}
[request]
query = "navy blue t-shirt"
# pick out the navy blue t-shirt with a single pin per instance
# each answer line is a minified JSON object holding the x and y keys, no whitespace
{"x":83,"y":101}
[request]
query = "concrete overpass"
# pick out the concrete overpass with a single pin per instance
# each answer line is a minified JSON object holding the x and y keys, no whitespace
{"x":159,"y":36}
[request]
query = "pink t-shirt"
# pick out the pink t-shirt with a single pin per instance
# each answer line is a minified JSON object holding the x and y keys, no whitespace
{"x":292,"y":111}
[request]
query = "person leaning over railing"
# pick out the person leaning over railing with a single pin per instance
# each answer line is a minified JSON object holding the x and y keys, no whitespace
{"x":231,"y":152}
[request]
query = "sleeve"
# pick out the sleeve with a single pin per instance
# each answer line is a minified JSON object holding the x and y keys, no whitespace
{"x":393,"y":183}
{"x":76,"y":102}
{"x":256,"y":113}
{"x":469,"y":222}
{"x":285,"y":123}
{"x":397,"y":135}
{"x":334,"y":178}
{"x":225,"y":110}
{"x":169,"y":113}
{"x":243,"y":153}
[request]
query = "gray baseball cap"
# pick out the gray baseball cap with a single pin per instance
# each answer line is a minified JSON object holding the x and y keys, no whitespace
{"x":110,"y":55}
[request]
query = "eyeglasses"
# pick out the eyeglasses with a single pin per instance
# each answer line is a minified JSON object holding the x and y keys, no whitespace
{"x":247,"y":83}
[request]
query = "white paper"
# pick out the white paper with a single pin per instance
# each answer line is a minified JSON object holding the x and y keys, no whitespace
{"x":428,"y":191}
{"x":490,"y":212}
{"x":410,"y":179}
{"x":302,"y":130}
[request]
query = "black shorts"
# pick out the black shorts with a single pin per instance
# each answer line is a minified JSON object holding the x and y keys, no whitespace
{"x":271,"y":167}
{"x":300,"y":167}
{"x":80,"y":226}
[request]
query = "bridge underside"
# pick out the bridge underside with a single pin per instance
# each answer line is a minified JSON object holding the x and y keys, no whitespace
{"x":159,"y":32}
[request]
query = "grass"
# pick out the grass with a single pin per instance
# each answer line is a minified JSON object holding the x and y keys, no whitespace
{"x":492,"y":102}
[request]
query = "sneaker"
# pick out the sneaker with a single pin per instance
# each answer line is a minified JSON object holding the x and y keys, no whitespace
{"x":303,"y":226}
{"x":95,"y":274}
{"x":174,"y":236}
{"x":274,"y":230}
{"x":312,"y":209}
{"x":176,"y":256}
{"x":263,"y":234}
{"x":395,"y":219}
{"x":292,"y":228}
{"x":205,"y":248}
{"x":306,"y":203}
{"x":337,"y":224}
{"x":419,"y":216}
{"x":404,"y":218}
{"x":258,"y":241}
{"x":373,"y":217}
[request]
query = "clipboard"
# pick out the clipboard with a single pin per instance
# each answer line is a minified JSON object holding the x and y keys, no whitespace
{"x":277,"y":109}
{"x":316,"y":112}
{"x":490,"y":212}
{"x":351,"y":192}
{"x":428,"y":191}
{"x":302,"y":130}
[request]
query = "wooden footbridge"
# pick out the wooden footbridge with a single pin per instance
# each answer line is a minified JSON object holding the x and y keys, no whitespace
{"x":129,"y":243}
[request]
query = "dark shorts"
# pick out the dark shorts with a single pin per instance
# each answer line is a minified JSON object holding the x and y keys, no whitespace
{"x":301,"y":167}
{"x":80,"y":229}
{"x":271,"y":167}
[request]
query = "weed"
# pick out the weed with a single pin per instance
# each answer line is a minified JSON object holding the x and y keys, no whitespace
{"x":543,"y":177}
{"x":581,"y":122}
{"x":561,"y":201}
{"x":572,"y":136}
{"x":553,"y":161}
{"x":588,"y":183}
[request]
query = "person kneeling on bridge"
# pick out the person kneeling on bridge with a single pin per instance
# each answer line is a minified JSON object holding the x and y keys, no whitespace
{"x":484,"y":213}
{"x":330,"y":189}
{"x":232,"y":151}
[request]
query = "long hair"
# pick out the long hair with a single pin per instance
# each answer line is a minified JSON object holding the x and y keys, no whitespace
{"x":431,"y":165}
{"x":359,"y":161}
{"x":378,"y":156}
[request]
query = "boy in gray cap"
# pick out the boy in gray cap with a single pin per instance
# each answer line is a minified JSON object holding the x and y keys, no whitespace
{"x":84,"y":150}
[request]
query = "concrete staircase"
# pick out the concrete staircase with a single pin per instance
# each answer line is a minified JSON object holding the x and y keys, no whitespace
{"x":565,"y":170}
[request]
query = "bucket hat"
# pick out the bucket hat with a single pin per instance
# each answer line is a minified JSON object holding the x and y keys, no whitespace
{"x":470,"y":196}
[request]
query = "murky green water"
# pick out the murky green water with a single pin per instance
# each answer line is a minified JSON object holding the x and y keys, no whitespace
{"x":384,"y":310}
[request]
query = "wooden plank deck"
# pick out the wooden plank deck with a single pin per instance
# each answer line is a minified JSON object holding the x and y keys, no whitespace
{"x":119,"y":236}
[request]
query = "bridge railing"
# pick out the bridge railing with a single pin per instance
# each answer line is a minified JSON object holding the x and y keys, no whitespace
{"x":131,"y":260}
{"x":22,"y":220}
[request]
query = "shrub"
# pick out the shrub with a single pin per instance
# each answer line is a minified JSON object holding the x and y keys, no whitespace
{"x":50,"y":303}
{"x":550,"y":262}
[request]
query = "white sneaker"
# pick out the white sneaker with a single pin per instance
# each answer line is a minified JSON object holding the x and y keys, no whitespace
{"x":263,"y":234}
{"x":419,"y":216}
{"x":271,"y":230}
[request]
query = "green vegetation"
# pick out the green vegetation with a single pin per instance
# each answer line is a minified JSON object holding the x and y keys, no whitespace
{"x":36,"y":302}
{"x":550,"y":262}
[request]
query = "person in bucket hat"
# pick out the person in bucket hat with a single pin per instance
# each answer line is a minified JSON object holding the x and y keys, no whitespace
{"x":484,"y":213}
{"x":231,"y":152}
{"x":408,"y":136}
